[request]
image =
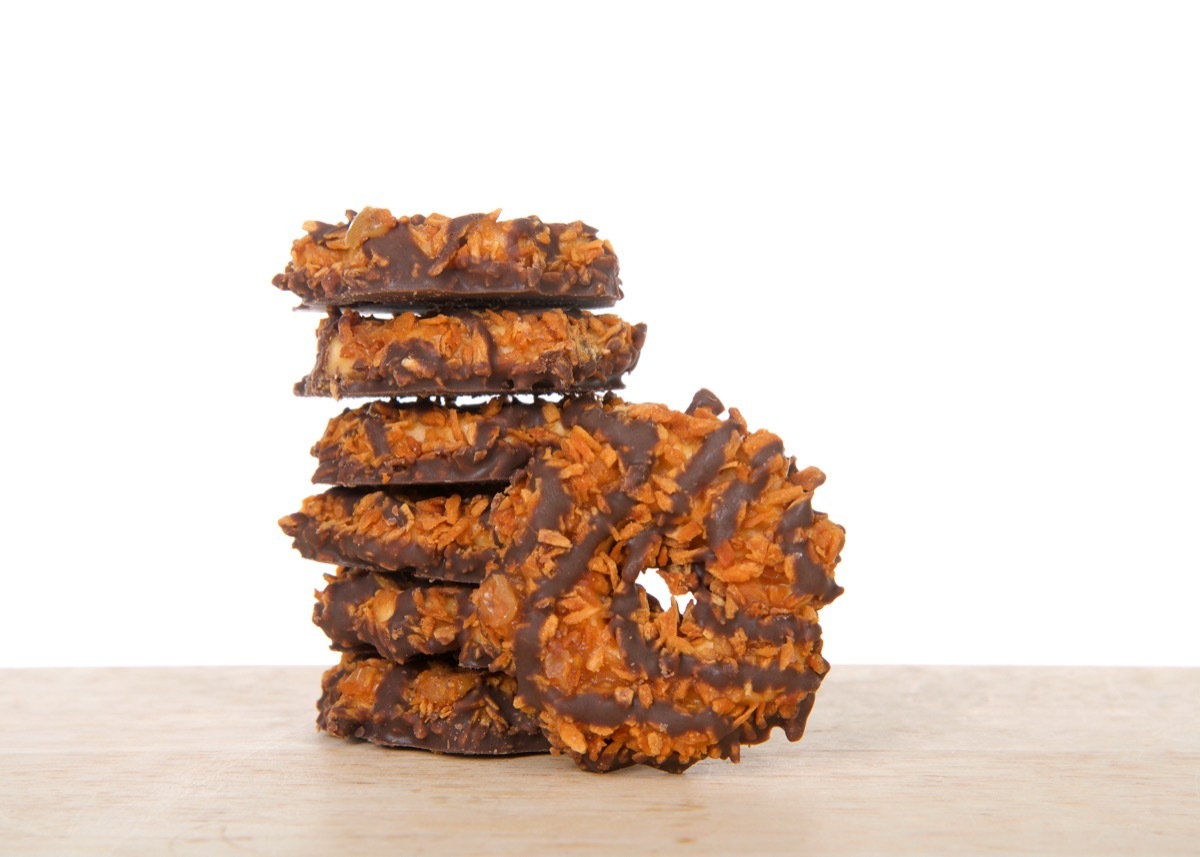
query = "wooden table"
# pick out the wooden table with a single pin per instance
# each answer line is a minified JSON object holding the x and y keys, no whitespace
{"x":926,"y":760}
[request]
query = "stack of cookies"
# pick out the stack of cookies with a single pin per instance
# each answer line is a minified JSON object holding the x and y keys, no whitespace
{"x":486,"y":597}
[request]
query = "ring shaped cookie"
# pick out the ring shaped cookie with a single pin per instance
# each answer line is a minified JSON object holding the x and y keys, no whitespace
{"x":615,"y":678}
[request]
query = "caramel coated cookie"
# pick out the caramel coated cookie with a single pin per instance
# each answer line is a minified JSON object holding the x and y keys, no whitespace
{"x":613,"y":678}
{"x":388,"y":443}
{"x":399,"y":618}
{"x":471,"y":353}
{"x":376,"y":258}
{"x":430,"y":705}
{"x":425,"y":443}
{"x":441,"y":537}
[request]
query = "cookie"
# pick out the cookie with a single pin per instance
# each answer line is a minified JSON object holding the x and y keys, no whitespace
{"x":429,"y":705}
{"x":440,"y":537}
{"x":471,"y":353}
{"x":376,"y":258}
{"x":428,"y":443}
{"x":399,"y":618}
{"x":613,"y":678}
{"x":389,"y":443}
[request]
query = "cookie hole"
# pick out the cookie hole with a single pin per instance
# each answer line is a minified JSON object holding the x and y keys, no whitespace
{"x":652,"y":582}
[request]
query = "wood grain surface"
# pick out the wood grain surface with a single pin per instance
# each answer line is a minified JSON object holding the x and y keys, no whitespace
{"x":913,"y":760}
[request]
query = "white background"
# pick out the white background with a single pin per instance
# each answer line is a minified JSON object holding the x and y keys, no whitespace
{"x":947,"y":251}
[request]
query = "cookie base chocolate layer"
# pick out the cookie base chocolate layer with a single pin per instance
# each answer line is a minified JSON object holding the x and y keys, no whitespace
{"x":430,"y":705}
{"x":471,"y":353}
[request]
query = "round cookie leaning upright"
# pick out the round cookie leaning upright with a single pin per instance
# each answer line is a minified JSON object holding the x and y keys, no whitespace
{"x":422,"y":308}
{"x":722,"y":514}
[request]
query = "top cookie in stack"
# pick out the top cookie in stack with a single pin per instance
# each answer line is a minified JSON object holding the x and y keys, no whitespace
{"x":481,"y":306}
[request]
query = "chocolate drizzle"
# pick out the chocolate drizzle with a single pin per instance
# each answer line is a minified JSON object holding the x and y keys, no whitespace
{"x":705,"y":398}
{"x":727,"y":511}
{"x":810,"y":577}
